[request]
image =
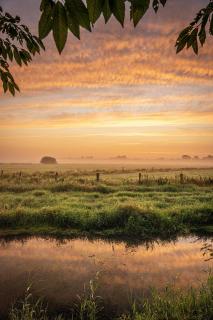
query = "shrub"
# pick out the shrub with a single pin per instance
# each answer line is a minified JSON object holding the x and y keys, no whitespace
{"x":48,"y":160}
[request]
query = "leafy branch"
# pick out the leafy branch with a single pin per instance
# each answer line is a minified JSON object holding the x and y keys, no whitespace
{"x":16,"y":44}
{"x":69,"y":15}
{"x":196,"y":31}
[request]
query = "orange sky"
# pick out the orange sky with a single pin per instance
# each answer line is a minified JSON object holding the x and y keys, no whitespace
{"x":117,"y":91}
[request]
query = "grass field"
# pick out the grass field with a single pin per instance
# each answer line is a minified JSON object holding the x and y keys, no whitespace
{"x":165,"y":202}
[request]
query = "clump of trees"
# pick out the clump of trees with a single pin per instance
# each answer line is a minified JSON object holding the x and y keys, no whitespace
{"x":209,"y":157}
{"x":188,"y":157}
{"x":60,"y":17}
{"x":48,"y":160}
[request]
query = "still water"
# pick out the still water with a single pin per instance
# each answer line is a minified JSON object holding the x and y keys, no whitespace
{"x":58,"y":270}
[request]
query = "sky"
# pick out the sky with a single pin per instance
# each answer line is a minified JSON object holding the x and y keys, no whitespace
{"x":115,"y":92}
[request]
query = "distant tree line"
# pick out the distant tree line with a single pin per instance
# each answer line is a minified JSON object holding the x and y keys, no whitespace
{"x":187,"y":157}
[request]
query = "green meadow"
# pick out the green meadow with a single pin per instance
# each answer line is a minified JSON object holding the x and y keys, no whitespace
{"x":123,"y":203}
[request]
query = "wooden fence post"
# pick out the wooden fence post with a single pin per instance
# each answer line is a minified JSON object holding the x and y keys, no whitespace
{"x":97,"y":176}
{"x":181,"y":178}
{"x":139,"y":178}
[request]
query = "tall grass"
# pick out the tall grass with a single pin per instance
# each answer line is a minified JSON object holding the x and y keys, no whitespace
{"x":171,"y":304}
{"x":28,"y":309}
{"x":89,"y":306}
{"x":195,"y":304}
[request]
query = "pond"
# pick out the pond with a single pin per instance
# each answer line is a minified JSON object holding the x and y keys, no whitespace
{"x":58,"y":270}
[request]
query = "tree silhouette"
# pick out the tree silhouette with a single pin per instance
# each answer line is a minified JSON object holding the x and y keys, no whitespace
{"x":18,"y":44}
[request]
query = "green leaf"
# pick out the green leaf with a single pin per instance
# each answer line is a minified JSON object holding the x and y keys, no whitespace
{"x":11,"y":88}
{"x":36,"y":47}
{"x":181,"y":45}
{"x":60,"y":27}
{"x":139,"y":8}
{"x":45,"y":24}
{"x":45,"y":4}
{"x":94,"y":8}
{"x":192,"y":38}
{"x":163,"y":2}
{"x":16,"y":86}
{"x":40,"y":43}
{"x":195,"y":46}
{"x":3,"y":76}
{"x":202,"y":36}
{"x":5,"y":85}
{"x":17,"y":56}
{"x":10,"y":52}
{"x":9,"y":75}
{"x":23,"y":58}
{"x":182,"y":39}
{"x":73,"y":25}
{"x":106,"y":11}
{"x":118,"y":9}
{"x":184,"y":33}
{"x":211,"y":26}
{"x":155,"y":5}
{"x":3,"y":51}
{"x":78,"y":10}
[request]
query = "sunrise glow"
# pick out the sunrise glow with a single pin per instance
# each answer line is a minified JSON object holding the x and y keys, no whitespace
{"x":117,"y":91}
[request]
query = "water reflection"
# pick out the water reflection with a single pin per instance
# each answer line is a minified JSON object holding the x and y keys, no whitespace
{"x":58,"y":270}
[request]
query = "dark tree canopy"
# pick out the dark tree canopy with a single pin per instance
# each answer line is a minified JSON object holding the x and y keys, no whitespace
{"x":48,"y":160}
{"x":60,"y":17}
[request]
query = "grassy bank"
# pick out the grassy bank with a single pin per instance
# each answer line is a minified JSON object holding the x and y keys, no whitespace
{"x":171,"y":304}
{"x":74,"y":203}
